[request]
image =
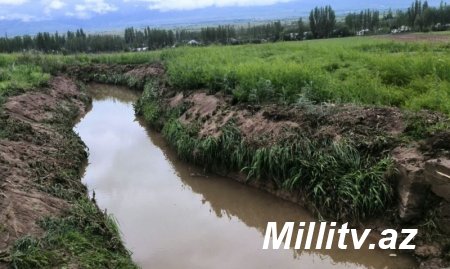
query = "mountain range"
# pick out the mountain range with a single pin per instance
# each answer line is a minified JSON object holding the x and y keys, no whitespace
{"x":139,"y":16}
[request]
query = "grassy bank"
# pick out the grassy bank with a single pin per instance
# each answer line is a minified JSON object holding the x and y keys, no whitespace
{"x":16,"y":77}
{"x":340,"y":181}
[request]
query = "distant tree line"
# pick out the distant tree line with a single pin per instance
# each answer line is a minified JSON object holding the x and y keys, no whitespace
{"x":71,"y":42}
{"x":322,"y":23}
{"x":367,"y":19}
{"x":420,"y":16}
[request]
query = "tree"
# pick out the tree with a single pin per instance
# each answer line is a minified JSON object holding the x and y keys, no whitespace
{"x":301,"y":27}
{"x":322,"y":21}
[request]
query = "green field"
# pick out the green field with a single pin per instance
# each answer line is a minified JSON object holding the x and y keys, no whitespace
{"x":357,"y":70}
{"x":370,"y":71}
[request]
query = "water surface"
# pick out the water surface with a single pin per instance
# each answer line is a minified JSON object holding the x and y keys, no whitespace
{"x":173,"y":215}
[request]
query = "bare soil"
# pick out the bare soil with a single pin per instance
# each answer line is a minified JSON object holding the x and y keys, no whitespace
{"x":417,"y":37}
{"x":276,"y":123}
{"x":34,"y":156}
{"x":138,"y":72}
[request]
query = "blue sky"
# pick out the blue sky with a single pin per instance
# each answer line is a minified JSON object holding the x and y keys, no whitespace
{"x":30,"y":16}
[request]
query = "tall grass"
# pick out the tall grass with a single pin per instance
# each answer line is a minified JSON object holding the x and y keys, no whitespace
{"x":358,"y":70}
{"x":13,"y":77}
{"x":341,"y":182}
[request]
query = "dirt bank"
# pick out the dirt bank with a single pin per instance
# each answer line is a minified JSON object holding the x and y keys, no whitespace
{"x":41,"y":163}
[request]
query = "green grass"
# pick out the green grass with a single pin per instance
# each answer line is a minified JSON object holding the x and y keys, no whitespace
{"x":18,"y":77}
{"x":78,"y":239}
{"x":356,"y":70}
{"x":23,"y":77}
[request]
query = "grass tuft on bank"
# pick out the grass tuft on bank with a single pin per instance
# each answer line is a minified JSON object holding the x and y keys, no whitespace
{"x":77,"y":239}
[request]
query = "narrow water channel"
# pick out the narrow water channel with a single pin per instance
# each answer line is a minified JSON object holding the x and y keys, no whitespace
{"x":172,"y":215}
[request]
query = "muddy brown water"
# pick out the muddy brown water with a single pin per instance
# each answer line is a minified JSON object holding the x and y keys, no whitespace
{"x":173,"y":215}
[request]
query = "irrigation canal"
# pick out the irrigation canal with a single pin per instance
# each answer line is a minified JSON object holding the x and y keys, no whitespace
{"x":173,"y":215}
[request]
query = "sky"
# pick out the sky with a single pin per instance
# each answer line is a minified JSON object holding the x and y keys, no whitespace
{"x":31,"y":16}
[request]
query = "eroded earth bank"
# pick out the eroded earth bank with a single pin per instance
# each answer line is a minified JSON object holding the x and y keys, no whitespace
{"x":46,"y":219}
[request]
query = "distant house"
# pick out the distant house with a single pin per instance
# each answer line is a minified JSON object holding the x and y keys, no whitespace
{"x":363,"y":32}
{"x":194,"y":43}
{"x":402,"y":29}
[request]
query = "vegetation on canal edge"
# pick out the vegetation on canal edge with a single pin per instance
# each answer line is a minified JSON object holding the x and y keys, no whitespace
{"x":341,"y":182}
{"x":353,"y":70}
{"x":85,"y":237}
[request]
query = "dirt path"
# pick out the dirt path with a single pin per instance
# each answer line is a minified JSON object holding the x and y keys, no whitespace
{"x":36,"y":149}
{"x":417,"y":37}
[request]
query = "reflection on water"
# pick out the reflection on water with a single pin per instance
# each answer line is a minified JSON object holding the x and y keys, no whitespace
{"x":173,"y":216}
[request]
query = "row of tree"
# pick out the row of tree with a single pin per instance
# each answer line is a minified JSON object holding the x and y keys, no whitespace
{"x":420,"y":16}
{"x":322,"y":23}
{"x":367,"y":19}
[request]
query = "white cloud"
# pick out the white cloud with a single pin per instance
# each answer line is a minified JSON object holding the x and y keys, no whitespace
{"x":17,"y":16}
{"x":165,"y":5}
{"x":50,"y":5}
{"x":13,"y":2}
{"x":56,"y":4}
{"x":89,"y":7}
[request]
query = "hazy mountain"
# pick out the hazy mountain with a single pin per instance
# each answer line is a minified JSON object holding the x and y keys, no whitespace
{"x":128,"y":14}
